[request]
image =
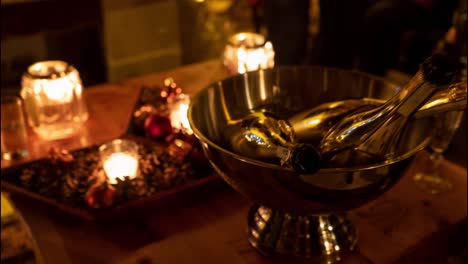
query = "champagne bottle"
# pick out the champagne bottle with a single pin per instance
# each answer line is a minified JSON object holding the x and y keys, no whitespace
{"x":312,"y":124}
{"x":451,"y":99}
{"x":460,"y":24}
{"x":454,"y":41}
{"x":371,"y":136}
{"x":262,"y":136}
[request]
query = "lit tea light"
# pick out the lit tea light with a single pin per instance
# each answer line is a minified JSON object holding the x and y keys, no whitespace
{"x":119,"y":165}
{"x":248,"y":52}
{"x":119,"y":159}
{"x":56,"y":81}
{"x":178,"y":114}
{"x":52,"y":94}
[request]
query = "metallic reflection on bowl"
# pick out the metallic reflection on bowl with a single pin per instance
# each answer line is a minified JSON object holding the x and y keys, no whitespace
{"x":286,"y":91}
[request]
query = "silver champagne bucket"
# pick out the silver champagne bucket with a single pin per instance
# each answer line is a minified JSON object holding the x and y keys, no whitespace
{"x":299,"y":217}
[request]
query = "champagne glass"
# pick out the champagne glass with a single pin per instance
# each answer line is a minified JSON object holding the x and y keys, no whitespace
{"x":430,"y":179}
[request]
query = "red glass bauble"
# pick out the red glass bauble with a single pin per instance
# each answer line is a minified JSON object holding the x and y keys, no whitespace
{"x":158,"y":126}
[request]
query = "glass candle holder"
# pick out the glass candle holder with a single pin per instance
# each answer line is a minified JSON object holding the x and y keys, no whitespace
{"x":14,"y":137}
{"x":53,"y":98}
{"x":248,"y":51}
{"x":178,"y":114}
{"x":119,"y":159}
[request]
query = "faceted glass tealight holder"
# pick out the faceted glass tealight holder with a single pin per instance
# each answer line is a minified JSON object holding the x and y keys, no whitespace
{"x":248,"y":51}
{"x":53,"y":98}
{"x":119,"y":159}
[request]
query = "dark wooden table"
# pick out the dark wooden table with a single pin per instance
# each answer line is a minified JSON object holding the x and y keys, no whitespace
{"x":404,"y":225}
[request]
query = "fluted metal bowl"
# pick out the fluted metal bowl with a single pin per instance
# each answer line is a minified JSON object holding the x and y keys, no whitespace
{"x":286,"y":91}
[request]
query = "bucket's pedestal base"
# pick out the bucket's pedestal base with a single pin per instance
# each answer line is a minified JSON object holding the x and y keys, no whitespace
{"x":322,"y":239}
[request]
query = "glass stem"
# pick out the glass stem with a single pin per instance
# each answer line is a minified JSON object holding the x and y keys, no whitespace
{"x":436,"y":157}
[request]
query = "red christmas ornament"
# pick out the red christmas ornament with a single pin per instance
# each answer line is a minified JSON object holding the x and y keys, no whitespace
{"x":158,"y":126}
{"x":100,"y":195}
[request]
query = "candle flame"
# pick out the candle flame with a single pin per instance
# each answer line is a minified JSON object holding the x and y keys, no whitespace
{"x":60,"y":90}
{"x":247,"y":53}
{"x":179,"y":118}
{"x":119,"y":165}
{"x":61,"y":86}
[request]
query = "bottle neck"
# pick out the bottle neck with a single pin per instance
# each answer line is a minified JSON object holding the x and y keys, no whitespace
{"x":302,"y":158}
{"x":412,"y":97}
{"x":284,"y":154}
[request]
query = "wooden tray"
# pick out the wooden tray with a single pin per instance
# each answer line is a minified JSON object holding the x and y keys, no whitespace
{"x":11,"y":183}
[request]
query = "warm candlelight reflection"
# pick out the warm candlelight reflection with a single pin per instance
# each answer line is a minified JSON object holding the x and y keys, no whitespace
{"x":178,"y":116}
{"x":119,"y":159}
{"x":54,"y":104}
{"x":57,"y":91}
{"x":248,"y":52}
{"x":119,"y":165}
